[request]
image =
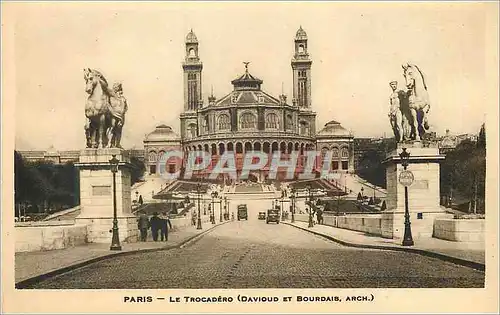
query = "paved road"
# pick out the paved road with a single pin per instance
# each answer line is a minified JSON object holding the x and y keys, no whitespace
{"x":253,"y":254}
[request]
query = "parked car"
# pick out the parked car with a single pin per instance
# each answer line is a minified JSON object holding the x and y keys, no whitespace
{"x":273,"y":215}
{"x":242,"y":212}
{"x":262,"y":215}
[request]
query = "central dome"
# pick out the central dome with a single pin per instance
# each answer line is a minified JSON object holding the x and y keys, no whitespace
{"x":162,"y":133}
{"x":247,"y":81}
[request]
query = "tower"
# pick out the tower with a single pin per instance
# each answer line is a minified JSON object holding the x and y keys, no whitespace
{"x":301,"y":66}
{"x":192,"y":67}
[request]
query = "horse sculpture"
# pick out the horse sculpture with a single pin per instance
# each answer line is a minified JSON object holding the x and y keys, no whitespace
{"x":105,"y":110}
{"x":418,"y":100}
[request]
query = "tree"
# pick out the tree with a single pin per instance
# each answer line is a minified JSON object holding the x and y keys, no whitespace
{"x":138,"y":169}
{"x":463,"y":172}
{"x":43,"y":184}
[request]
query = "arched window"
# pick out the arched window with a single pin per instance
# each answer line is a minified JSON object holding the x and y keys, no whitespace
{"x":304,"y":128}
{"x":335,"y":153}
{"x":205,"y":123}
{"x":289,"y":121}
{"x":223,"y":122}
{"x":192,"y":52}
{"x":301,"y":48}
{"x":272,"y":121}
{"x":161,"y":156}
{"x":152,"y":157}
{"x":248,"y":121}
{"x":192,"y":130}
{"x":344,"y":153}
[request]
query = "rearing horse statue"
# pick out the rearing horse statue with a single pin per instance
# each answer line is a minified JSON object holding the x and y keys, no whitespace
{"x":105,"y":110}
{"x":418,"y":99}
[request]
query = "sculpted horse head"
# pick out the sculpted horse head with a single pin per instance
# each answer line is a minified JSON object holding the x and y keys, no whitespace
{"x":415,"y":81}
{"x":418,"y":97}
{"x":96,"y":107}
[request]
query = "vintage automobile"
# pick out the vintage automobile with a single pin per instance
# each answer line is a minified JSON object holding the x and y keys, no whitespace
{"x":262,"y":215}
{"x":242,"y":212}
{"x":273,"y":215}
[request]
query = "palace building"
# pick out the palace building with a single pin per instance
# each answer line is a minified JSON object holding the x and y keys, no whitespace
{"x":246,"y":119}
{"x":249,"y":119}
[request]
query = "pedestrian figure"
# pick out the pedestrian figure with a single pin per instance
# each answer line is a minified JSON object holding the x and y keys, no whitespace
{"x":155,"y":226}
{"x":165,"y":225}
{"x":319,"y":216}
{"x":193,"y":217}
{"x":143,"y":225}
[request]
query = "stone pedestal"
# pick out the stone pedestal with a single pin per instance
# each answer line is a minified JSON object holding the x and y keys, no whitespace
{"x":96,"y":195}
{"x":423,"y":194}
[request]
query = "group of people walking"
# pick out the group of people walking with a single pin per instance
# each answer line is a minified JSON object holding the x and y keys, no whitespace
{"x":159,"y":224}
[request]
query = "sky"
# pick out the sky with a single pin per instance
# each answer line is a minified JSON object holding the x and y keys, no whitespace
{"x":356,"y":48}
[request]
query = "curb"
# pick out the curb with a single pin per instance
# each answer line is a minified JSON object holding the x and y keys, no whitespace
{"x":27,"y":283}
{"x":455,"y":260}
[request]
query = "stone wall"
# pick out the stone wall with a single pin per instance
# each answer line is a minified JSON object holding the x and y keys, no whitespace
{"x":37,"y":236}
{"x":371,"y":224}
{"x":49,"y":235}
{"x":180,"y":223}
{"x":460,"y":230}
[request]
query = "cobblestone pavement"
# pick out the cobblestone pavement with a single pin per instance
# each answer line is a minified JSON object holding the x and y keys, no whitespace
{"x":253,"y":254}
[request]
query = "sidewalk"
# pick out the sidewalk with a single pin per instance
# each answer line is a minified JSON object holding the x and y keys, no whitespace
{"x":471,"y":254}
{"x":37,"y":264}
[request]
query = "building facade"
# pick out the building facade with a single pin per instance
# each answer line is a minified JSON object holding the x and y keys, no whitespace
{"x":246,"y":119}
{"x":250,"y":119}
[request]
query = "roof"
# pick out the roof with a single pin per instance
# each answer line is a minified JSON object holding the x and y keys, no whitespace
{"x":162,"y":133}
{"x":247,"y":82}
{"x":247,"y":98}
{"x":333,"y":129}
{"x":301,"y":34}
{"x":52,"y":152}
{"x":191,"y":38}
{"x":247,"y":91}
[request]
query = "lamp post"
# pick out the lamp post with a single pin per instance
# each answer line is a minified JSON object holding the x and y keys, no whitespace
{"x":220,"y":209}
{"x":362,"y":194}
{"x":198,"y":225}
{"x":214,"y":195}
{"x":407,"y":239}
{"x":293,"y":206}
{"x":115,"y":240}
{"x":225,"y":208}
{"x":310,"y":207}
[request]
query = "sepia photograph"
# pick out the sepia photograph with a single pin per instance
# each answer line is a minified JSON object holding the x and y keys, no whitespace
{"x":206,"y":147}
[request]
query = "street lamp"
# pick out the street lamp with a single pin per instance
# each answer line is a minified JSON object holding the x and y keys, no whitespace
{"x":407,"y":239}
{"x":310,"y":207}
{"x":220,"y":209}
{"x":214,"y":195}
{"x":225,"y":209}
{"x":198,"y":225}
{"x":293,"y":206}
{"x":115,"y":240}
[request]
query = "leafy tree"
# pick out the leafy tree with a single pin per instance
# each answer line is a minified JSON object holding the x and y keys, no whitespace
{"x":463,"y":172}
{"x":138,"y":169}
{"x":43,"y":184}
